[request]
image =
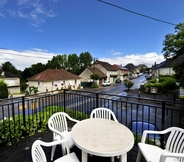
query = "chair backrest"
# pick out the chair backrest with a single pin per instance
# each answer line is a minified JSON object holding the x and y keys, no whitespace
{"x":37,"y":152}
{"x":58,"y":122}
{"x":175,"y":141}
{"x":103,"y":113}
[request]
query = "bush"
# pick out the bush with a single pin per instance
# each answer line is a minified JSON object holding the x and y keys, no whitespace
{"x":3,"y":89}
{"x":165,"y":84}
{"x":94,"y":85}
{"x":129,"y":84}
{"x":13,"y":128}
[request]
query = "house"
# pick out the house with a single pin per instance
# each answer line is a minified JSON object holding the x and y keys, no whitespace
{"x":85,"y":75}
{"x":107,"y":69}
{"x":166,"y":67}
{"x":12,"y":81}
{"x":133,"y":70}
{"x":54,"y":79}
{"x":130,"y":67}
{"x":121,"y":71}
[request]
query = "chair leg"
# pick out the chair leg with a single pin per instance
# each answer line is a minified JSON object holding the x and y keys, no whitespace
{"x":139,"y":156}
{"x":64,"y":149}
{"x":112,"y":159}
{"x":52,"y":152}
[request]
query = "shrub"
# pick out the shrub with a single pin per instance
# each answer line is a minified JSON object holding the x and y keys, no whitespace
{"x":94,"y":85}
{"x":3,"y":89}
{"x":12,"y":130}
{"x":165,"y":84}
{"x":129,"y":84}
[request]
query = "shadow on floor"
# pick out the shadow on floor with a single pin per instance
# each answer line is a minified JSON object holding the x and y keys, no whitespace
{"x":21,"y":151}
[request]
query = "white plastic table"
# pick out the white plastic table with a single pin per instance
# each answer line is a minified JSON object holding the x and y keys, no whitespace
{"x":102,"y":137}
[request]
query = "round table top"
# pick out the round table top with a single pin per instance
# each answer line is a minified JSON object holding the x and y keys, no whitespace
{"x":102,"y":137}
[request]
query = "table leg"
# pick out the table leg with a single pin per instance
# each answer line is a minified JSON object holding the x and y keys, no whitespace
{"x":84,"y":156}
{"x":123,"y":157}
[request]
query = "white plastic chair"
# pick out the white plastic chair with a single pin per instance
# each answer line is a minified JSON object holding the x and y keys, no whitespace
{"x":38,"y":154}
{"x":103,"y":113}
{"x":57,"y":123}
{"x":174,"y":149}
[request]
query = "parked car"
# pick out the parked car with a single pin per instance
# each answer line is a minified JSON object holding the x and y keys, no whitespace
{"x":137,"y":127}
{"x":118,"y":81}
{"x":149,"y":77}
{"x":106,"y":83}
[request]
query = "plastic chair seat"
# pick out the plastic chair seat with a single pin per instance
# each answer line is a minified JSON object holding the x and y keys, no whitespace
{"x":173,"y":151}
{"x":38,"y":154}
{"x":153,"y":153}
{"x":67,"y":136}
{"x":68,"y":158}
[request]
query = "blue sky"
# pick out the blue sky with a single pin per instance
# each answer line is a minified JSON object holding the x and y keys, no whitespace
{"x":33,"y":31}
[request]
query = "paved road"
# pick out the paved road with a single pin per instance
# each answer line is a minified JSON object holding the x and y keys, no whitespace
{"x":118,"y":88}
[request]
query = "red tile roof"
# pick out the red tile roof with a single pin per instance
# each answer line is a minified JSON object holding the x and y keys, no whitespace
{"x":53,"y":75}
{"x":119,"y":67}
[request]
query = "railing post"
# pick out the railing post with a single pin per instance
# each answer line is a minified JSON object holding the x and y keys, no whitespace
{"x":163,"y":123}
{"x":96,"y":99}
{"x":13,"y":110}
{"x":64,"y":99}
{"x":23,"y":110}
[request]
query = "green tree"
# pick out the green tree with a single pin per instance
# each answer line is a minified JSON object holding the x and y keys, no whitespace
{"x":34,"y":69}
{"x":9,"y":67}
{"x":3,"y":89}
{"x":73,"y":64}
{"x":59,"y":61}
{"x":85,"y":59}
{"x":94,"y":76}
{"x":174,"y":47}
{"x":129,"y":84}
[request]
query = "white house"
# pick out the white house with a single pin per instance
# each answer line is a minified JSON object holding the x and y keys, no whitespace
{"x":85,"y":75}
{"x":12,"y":81}
{"x":107,"y":69}
{"x":166,"y":67}
{"x":54,"y":79}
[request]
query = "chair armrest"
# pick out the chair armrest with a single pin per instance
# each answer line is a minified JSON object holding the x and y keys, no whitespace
{"x":143,"y":139}
{"x":54,"y":143}
{"x":165,"y":155}
{"x":72,"y":119}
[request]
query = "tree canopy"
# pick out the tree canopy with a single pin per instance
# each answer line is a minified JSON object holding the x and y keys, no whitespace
{"x":8,"y":66}
{"x":174,"y":47}
{"x":174,"y":43}
{"x":73,"y":63}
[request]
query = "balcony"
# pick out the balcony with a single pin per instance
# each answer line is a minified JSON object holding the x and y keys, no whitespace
{"x":27,"y":112}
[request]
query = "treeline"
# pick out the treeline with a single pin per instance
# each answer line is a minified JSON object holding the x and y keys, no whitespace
{"x":72,"y":63}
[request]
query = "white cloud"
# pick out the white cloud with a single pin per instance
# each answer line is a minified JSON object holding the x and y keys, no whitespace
{"x":148,"y":59}
{"x":24,"y":59}
{"x":35,"y":11}
{"x":114,"y":53}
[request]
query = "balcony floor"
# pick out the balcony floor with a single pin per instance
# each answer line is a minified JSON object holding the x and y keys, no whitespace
{"x":21,"y":151}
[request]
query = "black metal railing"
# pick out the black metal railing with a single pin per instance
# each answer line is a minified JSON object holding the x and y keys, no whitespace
{"x":27,"y":113}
